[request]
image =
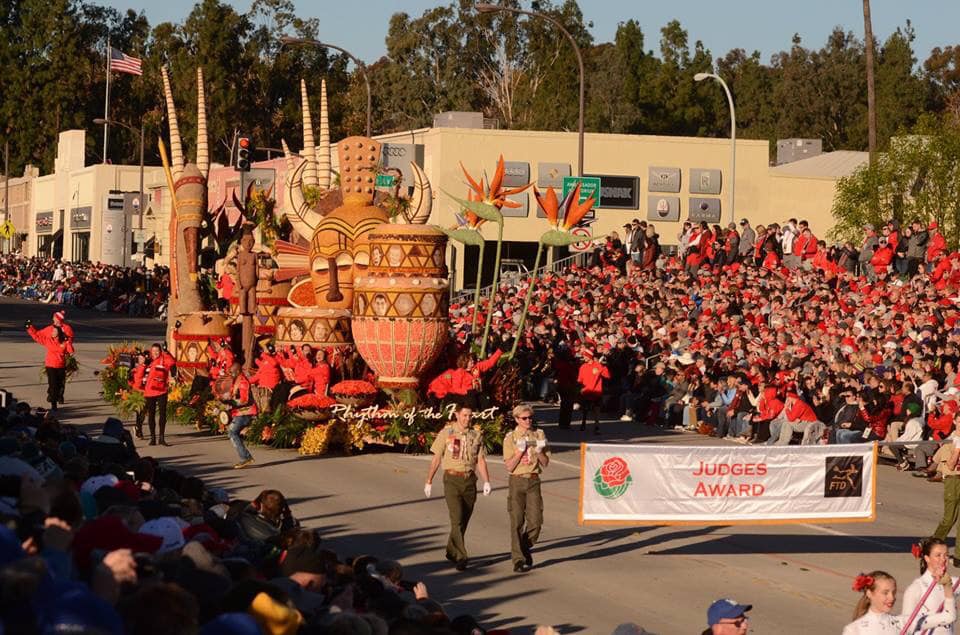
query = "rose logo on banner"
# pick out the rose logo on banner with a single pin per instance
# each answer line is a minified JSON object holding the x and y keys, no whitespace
{"x":613,"y":478}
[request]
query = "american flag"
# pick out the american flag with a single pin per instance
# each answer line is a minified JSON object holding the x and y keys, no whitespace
{"x":123,"y":63}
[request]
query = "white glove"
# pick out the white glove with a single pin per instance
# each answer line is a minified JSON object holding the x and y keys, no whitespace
{"x":541,"y":443}
{"x":486,"y":488}
{"x":522,"y":445}
{"x":427,"y":489}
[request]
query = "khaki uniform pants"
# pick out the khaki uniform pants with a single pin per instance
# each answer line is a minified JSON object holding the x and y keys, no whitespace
{"x":951,"y":508}
{"x":525,"y":507}
{"x":460,"y":493}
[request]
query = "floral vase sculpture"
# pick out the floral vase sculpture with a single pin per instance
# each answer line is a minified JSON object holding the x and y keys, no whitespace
{"x":400,"y":317}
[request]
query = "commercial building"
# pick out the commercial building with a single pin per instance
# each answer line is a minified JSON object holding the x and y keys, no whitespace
{"x":78,"y":211}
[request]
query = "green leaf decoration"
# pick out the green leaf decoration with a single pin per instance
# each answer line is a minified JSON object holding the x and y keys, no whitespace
{"x":485,"y":211}
{"x":466,"y":236}
{"x":557,"y":238}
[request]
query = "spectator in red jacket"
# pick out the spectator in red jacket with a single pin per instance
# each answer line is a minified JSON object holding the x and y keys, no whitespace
{"x":59,"y":348}
{"x":881,"y":259}
{"x":158,"y":374}
{"x":798,"y":416}
{"x":590,"y":377}
{"x":937,"y":244}
{"x":769,"y":408}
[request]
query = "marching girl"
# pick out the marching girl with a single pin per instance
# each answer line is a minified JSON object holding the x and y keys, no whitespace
{"x":932,"y":553}
{"x":873,"y":615}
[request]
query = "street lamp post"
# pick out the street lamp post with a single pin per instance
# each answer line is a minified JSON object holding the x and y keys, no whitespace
{"x":699,"y":77}
{"x":111,"y":122}
{"x":289,"y":40}
{"x":485,"y":7}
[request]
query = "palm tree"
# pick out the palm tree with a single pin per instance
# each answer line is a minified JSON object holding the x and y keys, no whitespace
{"x":871,"y":94}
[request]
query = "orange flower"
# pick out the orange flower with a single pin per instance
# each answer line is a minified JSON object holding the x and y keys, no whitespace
{"x":494,"y":195}
{"x":549,"y":204}
{"x":576,"y":211}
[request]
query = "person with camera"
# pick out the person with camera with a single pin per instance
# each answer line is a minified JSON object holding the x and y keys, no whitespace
{"x":525,"y":454}
{"x":459,"y":450}
{"x":59,"y":347}
{"x":242,"y":414}
{"x":159,"y":371}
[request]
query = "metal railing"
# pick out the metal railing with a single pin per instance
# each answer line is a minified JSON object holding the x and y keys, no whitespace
{"x":466,"y":294}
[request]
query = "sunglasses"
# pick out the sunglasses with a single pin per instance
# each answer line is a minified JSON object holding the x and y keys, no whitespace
{"x":737,"y":622}
{"x":527,"y":418}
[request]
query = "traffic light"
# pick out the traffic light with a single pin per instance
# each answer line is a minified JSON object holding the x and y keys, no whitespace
{"x":244,"y":153}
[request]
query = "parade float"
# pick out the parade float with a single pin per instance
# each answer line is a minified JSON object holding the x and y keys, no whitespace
{"x":343,"y":268}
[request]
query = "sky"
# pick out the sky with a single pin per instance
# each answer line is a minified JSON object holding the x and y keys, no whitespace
{"x":764,"y":25}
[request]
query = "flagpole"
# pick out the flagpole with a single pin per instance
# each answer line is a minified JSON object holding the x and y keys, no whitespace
{"x":106,"y":105}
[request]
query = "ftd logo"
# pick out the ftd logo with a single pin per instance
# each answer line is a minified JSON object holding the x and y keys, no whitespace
{"x":843,"y":477}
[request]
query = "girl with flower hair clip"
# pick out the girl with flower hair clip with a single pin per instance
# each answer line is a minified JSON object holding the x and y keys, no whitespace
{"x":874,"y":612}
{"x":929,"y":602}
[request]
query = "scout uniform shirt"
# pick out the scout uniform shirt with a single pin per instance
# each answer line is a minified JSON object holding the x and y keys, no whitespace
{"x":458,"y":451}
{"x":529,"y":464}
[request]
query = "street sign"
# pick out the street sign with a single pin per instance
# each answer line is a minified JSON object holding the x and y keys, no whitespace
{"x":590,"y":189}
{"x":385,"y":180}
{"x":581,"y":246}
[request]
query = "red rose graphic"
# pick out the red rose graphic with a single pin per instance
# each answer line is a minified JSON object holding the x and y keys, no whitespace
{"x":614,"y":472}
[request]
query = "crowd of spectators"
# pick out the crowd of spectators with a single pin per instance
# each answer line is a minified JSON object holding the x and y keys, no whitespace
{"x":97,"y":539}
{"x":728,"y":336}
{"x":140,"y":291}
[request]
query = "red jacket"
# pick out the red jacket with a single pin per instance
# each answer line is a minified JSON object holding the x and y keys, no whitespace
{"x":460,"y":381}
{"x":882,"y":258}
{"x":768,"y":406}
{"x":268,"y":372}
{"x":158,"y":375}
{"x":240,"y":393}
{"x":138,"y":377}
{"x":936,"y":246}
{"x":805,"y":246}
{"x":57,"y":351}
{"x":591,"y":378}
{"x":800,"y":410}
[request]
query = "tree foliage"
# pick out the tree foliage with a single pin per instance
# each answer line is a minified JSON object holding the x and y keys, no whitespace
{"x":918,"y":177}
{"x":517,"y":70}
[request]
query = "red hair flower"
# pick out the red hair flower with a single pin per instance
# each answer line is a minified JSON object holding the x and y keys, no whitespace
{"x":862,"y":582}
{"x":916,"y":550}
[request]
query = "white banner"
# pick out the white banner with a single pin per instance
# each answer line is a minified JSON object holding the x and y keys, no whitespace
{"x":728,"y":485}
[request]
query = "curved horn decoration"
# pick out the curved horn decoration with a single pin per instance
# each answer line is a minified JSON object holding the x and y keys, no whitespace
{"x":289,"y":156}
{"x":309,"y":150}
{"x":421,"y":202}
{"x":176,"y":148}
{"x":203,"y":150}
{"x":303,"y":219}
{"x":323,"y":150}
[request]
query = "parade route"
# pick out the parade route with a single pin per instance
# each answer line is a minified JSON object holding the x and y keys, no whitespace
{"x":585,"y":579}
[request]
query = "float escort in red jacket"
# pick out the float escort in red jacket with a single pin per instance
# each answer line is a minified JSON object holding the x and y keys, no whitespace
{"x":57,"y":351}
{"x":591,"y":376}
{"x":460,"y":381}
{"x":158,"y":375}
{"x":268,"y":373}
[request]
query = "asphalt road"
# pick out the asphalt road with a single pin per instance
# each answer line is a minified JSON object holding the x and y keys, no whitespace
{"x":587,"y":580}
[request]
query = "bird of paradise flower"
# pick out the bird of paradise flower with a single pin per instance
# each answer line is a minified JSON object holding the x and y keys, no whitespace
{"x":483,"y":203}
{"x":562,"y":218}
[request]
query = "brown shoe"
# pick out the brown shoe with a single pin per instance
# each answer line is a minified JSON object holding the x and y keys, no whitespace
{"x":936,"y":478}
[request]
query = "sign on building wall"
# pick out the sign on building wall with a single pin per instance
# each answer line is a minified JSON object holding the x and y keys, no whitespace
{"x":80,"y":218}
{"x":705,"y":181}
{"x":663,"y":179}
{"x":516,"y":174}
{"x":705,"y":209}
{"x":589,"y":189}
{"x":399,"y":156}
{"x":552,"y":175}
{"x":44,"y":222}
{"x":619,"y":192}
{"x":663,"y":208}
